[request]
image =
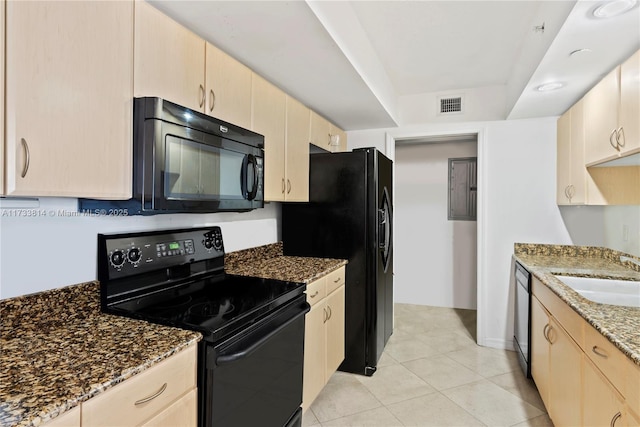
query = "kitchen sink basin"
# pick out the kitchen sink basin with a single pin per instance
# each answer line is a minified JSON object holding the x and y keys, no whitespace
{"x":605,"y":291}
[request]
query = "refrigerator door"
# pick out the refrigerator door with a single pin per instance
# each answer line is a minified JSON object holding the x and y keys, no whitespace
{"x":343,"y":220}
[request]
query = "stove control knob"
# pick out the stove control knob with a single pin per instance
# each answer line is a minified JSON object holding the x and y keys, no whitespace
{"x":208,"y":243}
{"x":117,"y":258}
{"x":134,"y":255}
{"x":217,"y":244}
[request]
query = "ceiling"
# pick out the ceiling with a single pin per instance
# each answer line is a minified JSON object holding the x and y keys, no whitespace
{"x":354,"y":61}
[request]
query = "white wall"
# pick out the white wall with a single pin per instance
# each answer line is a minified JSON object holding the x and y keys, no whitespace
{"x":57,"y":249}
{"x":516,"y":173}
{"x":616,"y":237}
{"x":421,"y":206}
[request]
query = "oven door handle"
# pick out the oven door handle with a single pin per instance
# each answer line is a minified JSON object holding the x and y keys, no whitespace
{"x":246,"y":351}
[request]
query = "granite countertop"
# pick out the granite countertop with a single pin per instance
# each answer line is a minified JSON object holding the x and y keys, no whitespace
{"x":620,"y":325}
{"x":268,"y":262}
{"x":57,"y":349}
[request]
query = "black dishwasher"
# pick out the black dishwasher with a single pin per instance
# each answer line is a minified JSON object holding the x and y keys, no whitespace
{"x":522,"y":318}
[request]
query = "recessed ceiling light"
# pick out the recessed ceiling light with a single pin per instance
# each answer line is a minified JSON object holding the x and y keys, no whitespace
{"x":613,"y":8}
{"x":548,"y":87}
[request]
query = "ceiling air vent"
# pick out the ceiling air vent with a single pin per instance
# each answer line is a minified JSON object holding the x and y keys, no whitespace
{"x":450,"y":104}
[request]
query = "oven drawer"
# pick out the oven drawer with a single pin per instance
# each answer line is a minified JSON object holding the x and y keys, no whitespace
{"x":335,"y":279}
{"x":169,"y":380}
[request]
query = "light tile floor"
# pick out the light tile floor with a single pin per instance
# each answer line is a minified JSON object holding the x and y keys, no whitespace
{"x":432,"y":373}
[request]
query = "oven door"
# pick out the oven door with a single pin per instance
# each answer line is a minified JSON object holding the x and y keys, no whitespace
{"x":193,"y":171}
{"x":254,"y":378}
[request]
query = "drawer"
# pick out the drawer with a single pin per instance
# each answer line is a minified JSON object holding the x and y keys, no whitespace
{"x":68,"y":419}
{"x":632,"y":386}
{"x":316,"y":291}
{"x":335,"y":279}
{"x":183,"y":413}
{"x":169,"y":380}
{"x":606,"y":357}
{"x":571,"y":321}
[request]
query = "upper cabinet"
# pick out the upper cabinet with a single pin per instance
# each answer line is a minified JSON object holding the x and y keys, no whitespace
{"x":228,"y":85}
{"x":297,"y":152}
{"x":2,"y":10}
{"x":326,"y":135}
{"x":268,"y":117}
{"x":169,"y":59}
{"x":69,"y":101}
{"x":611,"y":109}
{"x":173,"y":63}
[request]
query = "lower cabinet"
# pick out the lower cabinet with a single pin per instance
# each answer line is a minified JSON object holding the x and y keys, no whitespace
{"x":164,"y":395}
{"x":582,"y":377}
{"x":555,"y":367}
{"x":324,"y":334}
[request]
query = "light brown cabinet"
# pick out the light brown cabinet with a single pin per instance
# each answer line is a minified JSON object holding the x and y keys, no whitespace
{"x":3,"y":5}
{"x":326,"y":135}
{"x":173,"y":63}
{"x":582,"y":377}
{"x":169,"y":59}
{"x":228,"y":86}
{"x":71,"y":418}
{"x":297,"y":151}
{"x":68,"y":84}
{"x":324,"y":333}
{"x":162,"y":393}
{"x":611,"y":111}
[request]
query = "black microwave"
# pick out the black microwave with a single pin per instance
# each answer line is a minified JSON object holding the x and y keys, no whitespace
{"x":185,"y":161}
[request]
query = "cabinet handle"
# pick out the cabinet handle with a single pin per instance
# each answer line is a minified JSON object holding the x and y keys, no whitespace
{"x":545,"y":332}
{"x":314,"y":295}
{"x":329,"y":143}
{"x":337,"y":280}
{"x":599,"y":352}
{"x":201,"y":95}
{"x":613,"y":143}
{"x":615,"y":418}
{"x":212,"y":99}
{"x":324,"y":320}
{"x":330,"y":312}
{"x":27,"y":157}
{"x":572,"y":191}
{"x":283,"y":187}
{"x":288,"y":186}
{"x":153,"y":396}
{"x":620,"y":137}
{"x":566,"y":192}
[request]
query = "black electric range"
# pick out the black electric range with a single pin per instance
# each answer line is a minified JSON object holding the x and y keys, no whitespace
{"x":250,"y":360}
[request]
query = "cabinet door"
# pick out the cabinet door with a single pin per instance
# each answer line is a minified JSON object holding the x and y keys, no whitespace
{"x":540,"y":349}
{"x":563,"y":165}
{"x":319,"y":131}
{"x":268,"y":119}
{"x":71,"y":418}
{"x":228,"y":85}
{"x":69,"y":98}
{"x":297,"y":152}
{"x":181,"y":413}
{"x":342,"y":139}
{"x":314,"y":354}
{"x":564,"y":377}
{"x":169,"y":59}
{"x":601,"y":118}
{"x":335,"y":331}
{"x":602,"y":405}
{"x":630,"y":103}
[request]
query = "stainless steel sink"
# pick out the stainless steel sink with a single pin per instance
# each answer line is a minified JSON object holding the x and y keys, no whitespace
{"x":605,"y":291}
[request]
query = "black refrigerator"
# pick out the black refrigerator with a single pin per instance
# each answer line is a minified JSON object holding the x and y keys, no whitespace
{"x":349,"y":216}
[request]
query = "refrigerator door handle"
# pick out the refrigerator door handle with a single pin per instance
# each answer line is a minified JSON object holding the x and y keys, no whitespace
{"x":384,"y":217}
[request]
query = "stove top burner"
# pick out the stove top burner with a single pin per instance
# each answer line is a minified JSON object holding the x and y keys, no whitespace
{"x":214,"y":306}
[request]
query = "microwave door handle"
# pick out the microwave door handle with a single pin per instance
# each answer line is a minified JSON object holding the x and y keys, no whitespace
{"x":243,"y":176}
{"x":254,"y":189}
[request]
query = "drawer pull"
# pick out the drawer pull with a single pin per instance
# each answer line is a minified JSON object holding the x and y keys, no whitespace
{"x":615,"y":418}
{"x":599,"y":352}
{"x":153,"y":396}
{"x":314,"y":295}
{"x":337,"y":280}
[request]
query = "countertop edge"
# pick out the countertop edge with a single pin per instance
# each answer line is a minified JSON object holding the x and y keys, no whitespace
{"x":548,"y":279}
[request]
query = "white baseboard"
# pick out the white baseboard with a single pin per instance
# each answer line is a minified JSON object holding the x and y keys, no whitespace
{"x":498,"y":343}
